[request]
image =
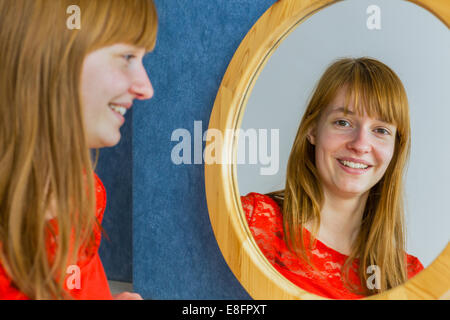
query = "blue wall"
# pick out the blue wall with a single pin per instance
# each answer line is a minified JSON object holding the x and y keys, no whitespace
{"x":169,"y":249}
{"x":115,"y":170}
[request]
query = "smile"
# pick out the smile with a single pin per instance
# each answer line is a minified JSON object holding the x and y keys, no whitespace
{"x":353,"y":165}
{"x":119,"y":109}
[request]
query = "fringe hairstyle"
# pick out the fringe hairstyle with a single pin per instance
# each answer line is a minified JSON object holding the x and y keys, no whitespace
{"x":45,"y":165}
{"x":376,"y":89}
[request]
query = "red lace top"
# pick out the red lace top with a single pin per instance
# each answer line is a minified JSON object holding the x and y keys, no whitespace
{"x":265,"y":221}
{"x":92,"y":284}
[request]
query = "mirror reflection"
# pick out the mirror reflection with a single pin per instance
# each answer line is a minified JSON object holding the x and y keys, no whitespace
{"x":348,"y":202}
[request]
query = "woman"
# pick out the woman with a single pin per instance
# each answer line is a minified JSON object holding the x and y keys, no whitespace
{"x":63,"y":92}
{"x":344,"y":188}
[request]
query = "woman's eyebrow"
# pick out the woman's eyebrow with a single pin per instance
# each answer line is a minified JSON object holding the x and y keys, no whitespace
{"x":350,"y":112}
{"x":342,"y":110}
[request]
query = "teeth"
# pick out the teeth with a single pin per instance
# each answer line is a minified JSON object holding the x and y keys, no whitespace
{"x":118,"y":109}
{"x":353,"y":164}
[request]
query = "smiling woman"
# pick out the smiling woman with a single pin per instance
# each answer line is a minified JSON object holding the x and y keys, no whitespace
{"x":339,"y":189}
{"x":344,"y":187}
{"x":112,"y":77}
{"x":63,"y":91}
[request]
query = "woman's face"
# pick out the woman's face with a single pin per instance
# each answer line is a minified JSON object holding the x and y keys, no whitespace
{"x":352,"y":152}
{"x":112,"y":77}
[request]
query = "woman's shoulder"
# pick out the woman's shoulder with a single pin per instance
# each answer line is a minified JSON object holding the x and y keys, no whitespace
{"x":100,"y":194}
{"x":258,"y":198}
{"x":9,"y":292}
{"x":257,"y":203}
{"x":265,"y":222}
{"x":414,"y":266}
{"x":262,"y":211}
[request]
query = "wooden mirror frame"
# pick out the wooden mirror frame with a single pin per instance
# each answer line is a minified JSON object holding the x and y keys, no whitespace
{"x":247,"y":262}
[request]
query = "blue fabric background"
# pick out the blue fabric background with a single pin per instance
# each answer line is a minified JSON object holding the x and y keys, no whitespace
{"x":159,"y":229}
{"x":115,"y":170}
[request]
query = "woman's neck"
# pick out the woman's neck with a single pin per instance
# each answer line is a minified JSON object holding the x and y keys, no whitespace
{"x":340,"y":221}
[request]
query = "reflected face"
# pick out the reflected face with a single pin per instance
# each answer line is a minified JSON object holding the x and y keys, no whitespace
{"x":112,"y":77}
{"x":352,"y":152}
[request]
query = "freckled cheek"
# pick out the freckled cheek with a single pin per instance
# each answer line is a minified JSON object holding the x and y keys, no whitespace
{"x":331,"y":143}
{"x":105,"y":83}
{"x":115,"y":84}
{"x":384,"y":154}
{"x":328,"y":147}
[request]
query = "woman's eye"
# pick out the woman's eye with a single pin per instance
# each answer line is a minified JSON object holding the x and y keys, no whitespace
{"x":342,"y":123}
{"x":129,"y":57}
{"x":382,"y":131}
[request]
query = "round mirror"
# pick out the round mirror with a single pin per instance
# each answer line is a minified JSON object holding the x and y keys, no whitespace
{"x":260,"y":105}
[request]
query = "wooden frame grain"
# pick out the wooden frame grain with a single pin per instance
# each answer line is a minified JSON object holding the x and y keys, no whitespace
{"x":236,"y":243}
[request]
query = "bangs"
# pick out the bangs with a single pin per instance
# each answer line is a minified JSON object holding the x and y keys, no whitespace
{"x":132,"y":22}
{"x":376,"y":90}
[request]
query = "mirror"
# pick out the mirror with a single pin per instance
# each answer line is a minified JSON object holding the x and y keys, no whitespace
{"x":266,"y":100}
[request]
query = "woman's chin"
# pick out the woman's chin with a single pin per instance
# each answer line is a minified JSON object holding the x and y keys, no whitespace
{"x":106,"y":141}
{"x":113,"y":141}
{"x":351,"y":191}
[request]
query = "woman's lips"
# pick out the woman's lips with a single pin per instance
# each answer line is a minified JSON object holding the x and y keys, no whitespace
{"x":355,"y":160}
{"x":356,"y":171}
{"x":118,"y":115}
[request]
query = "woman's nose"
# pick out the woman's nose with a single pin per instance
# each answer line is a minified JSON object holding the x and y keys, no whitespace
{"x":360,"y":142}
{"x":141,"y":87}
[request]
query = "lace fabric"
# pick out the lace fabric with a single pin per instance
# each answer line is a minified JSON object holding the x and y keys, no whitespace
{"x":265,"y":221}
{"x":94,"y":284}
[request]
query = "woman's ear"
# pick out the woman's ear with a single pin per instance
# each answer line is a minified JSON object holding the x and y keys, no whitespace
{"x":311,"y":135}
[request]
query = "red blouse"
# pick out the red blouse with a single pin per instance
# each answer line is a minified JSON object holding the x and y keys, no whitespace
{"x":265,"y":221}
{"x":93,"y":284}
